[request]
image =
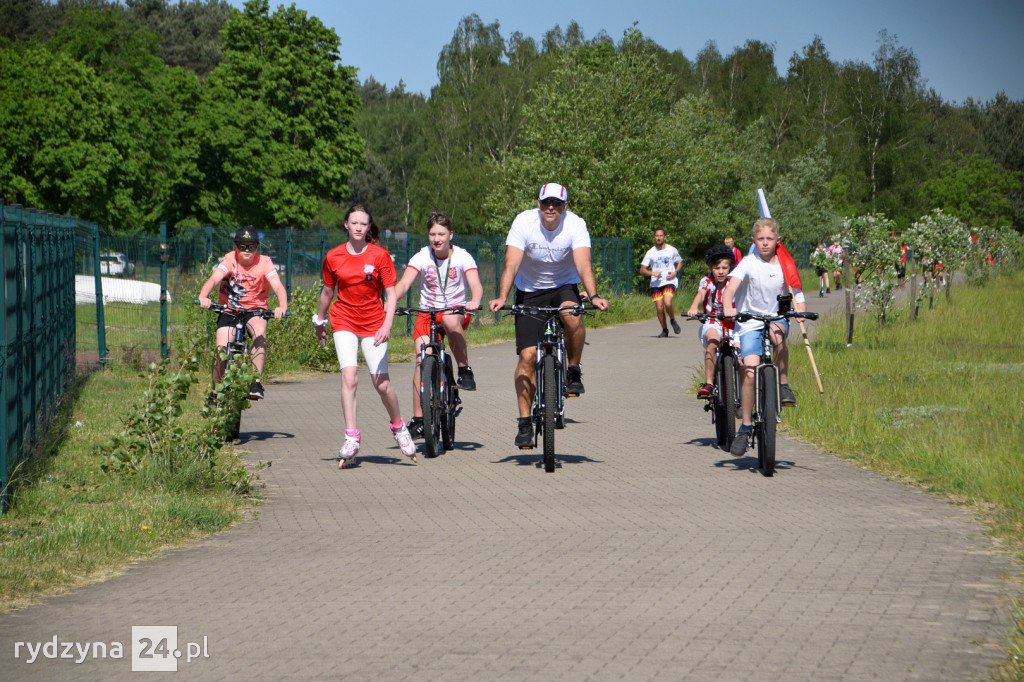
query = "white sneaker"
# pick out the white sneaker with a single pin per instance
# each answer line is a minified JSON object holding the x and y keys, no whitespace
{"x":348,"y":452}
{"x":405,"y":442}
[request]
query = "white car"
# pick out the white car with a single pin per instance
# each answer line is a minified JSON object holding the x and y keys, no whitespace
{"x":116,"y":265}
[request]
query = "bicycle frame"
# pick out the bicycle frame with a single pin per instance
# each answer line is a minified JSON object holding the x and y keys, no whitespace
{"x":767,"y":360}
{"x":551,"y":343}
{"x":766,"y":410}
{"x":440,"y":403}
{"x":237,"y":346}
{"x":723,"y":414}
{"x":549,"y":401}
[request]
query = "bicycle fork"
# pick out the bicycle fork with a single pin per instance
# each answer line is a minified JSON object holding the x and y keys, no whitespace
{"x":758,"y":380}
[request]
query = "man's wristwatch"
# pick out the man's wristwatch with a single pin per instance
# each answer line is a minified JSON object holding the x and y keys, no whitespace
{"x":318,"y":322}
{"x":596,"y":296}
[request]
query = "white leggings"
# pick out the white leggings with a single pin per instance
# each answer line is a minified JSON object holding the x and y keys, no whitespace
{"x":346,"y":345}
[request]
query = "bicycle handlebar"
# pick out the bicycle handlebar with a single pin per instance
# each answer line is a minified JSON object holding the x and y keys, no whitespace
{"x":453,"y":309}
{"x":576,"y":309}
{"x":744,"y":317}
{"x":238,"y":311}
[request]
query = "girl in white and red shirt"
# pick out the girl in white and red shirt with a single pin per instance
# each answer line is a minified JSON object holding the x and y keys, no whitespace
{"x":357,"y":272}
{"x":447,"y":274}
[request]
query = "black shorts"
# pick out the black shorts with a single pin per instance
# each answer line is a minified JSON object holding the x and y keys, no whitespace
{"x":819,"y":271}
{"x":225,"y":320}
{"x":530,"y":328}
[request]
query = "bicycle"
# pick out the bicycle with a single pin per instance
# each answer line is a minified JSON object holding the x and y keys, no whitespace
{"x":236,"y":348}
{"x":552,"y":366}
{"x":724,"y":400}
{"x":766,"y":413}
{"x":439,"y":393}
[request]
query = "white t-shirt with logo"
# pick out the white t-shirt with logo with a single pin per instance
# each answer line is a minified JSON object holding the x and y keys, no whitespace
{"x":660,"y":262}
{"x":547,"y":254}
{"x":760,"y":284}
{"x":442,"y":283}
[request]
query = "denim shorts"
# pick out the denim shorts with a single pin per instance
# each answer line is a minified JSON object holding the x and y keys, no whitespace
{"x":750,"y":342}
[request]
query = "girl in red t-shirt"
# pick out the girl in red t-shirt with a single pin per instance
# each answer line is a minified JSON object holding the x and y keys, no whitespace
{"x":357,"y":272}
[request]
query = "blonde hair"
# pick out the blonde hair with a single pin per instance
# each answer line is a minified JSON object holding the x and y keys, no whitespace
{"x":765,"y":223}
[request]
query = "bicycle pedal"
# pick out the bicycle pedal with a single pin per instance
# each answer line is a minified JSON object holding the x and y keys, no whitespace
{"x":572,"y":395}
{"x":526,"y":447}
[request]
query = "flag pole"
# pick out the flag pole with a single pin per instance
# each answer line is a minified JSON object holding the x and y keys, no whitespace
{"x":762,"y":205}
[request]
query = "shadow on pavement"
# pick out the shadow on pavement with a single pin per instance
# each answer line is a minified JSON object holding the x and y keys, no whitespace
{"x":536,"y":459}
{"x":250,"y":436}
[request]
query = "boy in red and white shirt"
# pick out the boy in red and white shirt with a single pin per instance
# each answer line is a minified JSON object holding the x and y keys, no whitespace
{"x":709,"y":300}
{"x":245,"y":279}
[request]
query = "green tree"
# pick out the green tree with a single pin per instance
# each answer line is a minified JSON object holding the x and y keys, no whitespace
{"x":277,"y":121}
{"x":975,"y":189}
{"x":63,"y":140}
{"x":189,"y":30}
{"x":887,"y":111}
{"x":801,"y":200}
{"x":873,"y":253}
{"x":750,"y":81}
{"x":391,"y":122}
{"x":155,"y":103}
{"x":630,"y":159}
{"x":474,"y":116}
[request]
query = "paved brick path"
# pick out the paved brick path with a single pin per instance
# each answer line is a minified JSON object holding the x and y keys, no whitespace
{"x":649,"y":553}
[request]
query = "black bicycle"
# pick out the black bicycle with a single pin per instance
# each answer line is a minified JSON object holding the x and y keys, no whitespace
{"x":238,"y":348}
{"x":552,"y":366}
{"x":766,"y":414}
{"x":724,"y":400}
{"x":439,"y":394}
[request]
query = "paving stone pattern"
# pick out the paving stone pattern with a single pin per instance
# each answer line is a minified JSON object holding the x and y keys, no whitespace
{"x":649,"y":554}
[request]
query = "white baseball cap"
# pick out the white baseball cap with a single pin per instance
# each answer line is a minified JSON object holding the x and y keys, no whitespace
{"x":552,"y":190}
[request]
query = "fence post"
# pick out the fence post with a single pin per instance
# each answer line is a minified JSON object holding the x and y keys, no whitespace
{"x":288,"y":260}
{"x":101,"y":332}
{"x":913,"y":287}
{"x":849,"y":313}
{"x":163,"y":289}
{"x":30,"y":325}
{"x":3,"y":363}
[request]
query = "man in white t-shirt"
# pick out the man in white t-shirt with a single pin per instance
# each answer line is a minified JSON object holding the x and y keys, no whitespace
{"x":547,"y":257}
{"x":662,"y":263}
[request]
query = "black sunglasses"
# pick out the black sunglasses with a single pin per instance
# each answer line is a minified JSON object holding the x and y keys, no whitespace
{"x":548,"y":203}
{"x":246,"y":247}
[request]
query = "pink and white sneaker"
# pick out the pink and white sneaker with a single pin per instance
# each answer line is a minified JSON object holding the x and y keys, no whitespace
{"x":349,"y":449}
{"x":404,"y":440}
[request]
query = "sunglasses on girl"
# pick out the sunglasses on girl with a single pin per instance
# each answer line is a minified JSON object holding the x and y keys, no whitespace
{"x":246,"y":247}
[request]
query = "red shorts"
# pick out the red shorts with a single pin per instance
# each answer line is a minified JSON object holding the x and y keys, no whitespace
{"x":422,"y":327}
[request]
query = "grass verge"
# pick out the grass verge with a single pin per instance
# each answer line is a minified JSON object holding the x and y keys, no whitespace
{"x":70,"y":523}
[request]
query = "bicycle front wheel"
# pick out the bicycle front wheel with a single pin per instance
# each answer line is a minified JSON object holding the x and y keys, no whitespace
{"x":448,"y":399}
{"x":233,"y":425}
{"x":768,"y":414}
{"x":725,"y":406}
{"x":430,"y":401}
{"x":550,"y":410}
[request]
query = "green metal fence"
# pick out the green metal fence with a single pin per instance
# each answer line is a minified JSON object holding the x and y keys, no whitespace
{"x":147,"y":280}
{"x":38,"y":343}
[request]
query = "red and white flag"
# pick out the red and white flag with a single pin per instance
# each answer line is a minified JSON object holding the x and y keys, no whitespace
{"x":789,"y":271}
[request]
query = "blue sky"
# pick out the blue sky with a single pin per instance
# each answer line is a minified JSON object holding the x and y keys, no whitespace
{"x":966,"y":48}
